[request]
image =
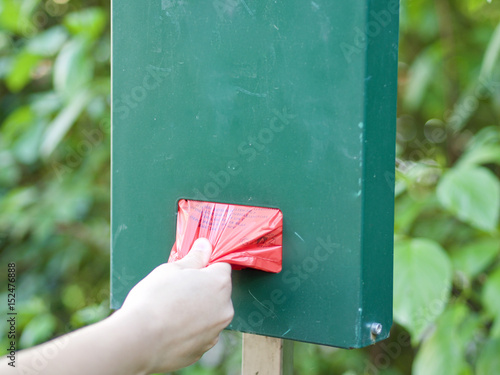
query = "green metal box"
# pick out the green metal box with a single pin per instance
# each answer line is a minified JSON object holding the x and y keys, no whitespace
{"x":288,"y":104}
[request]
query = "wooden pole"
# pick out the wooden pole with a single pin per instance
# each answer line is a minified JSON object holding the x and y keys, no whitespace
{"x":263,"y":355}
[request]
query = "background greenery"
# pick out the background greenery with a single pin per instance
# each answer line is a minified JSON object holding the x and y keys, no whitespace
{"x":54,"y":186}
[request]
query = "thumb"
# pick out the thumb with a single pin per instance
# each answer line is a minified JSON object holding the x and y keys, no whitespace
{"x":198,"y":256}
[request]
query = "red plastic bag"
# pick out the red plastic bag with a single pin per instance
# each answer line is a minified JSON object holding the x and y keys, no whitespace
{"x":243,"y":236}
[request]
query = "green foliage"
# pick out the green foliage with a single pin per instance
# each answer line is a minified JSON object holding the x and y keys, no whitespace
{"x":422,"y":282}
{"x":472,"y":194}
{"x":54,"y":163}
{"x":54,"y":186}
{"x":470,"y":259}
{"x":444,"y":352}
{"x":447,"y":187}
{"x":489,"y":360}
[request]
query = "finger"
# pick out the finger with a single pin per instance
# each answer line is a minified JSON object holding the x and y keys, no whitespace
{"x":222,"y":273}
{"x":198,"y":256}
{"x":220,"y":267}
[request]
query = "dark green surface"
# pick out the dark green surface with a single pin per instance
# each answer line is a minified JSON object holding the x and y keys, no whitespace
{"x":279,"y":104}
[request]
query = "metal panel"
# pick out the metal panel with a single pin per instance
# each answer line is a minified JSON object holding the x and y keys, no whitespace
{"x":287,"y":104}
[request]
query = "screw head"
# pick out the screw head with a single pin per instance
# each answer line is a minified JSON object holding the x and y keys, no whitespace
{"x":376,"y":329}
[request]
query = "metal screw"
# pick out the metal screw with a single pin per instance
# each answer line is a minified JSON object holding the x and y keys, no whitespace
{"x":376,"y":329}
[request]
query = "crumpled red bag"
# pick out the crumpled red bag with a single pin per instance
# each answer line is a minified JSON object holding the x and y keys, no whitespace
{"x":244,"y":236}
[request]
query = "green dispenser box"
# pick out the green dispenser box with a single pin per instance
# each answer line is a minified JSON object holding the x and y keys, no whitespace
{"x":283,"y":104}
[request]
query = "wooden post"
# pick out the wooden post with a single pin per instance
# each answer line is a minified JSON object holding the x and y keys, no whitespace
{"x":263,"y":355}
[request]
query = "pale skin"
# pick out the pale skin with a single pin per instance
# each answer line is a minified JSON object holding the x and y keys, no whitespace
{"x":168,"y":320}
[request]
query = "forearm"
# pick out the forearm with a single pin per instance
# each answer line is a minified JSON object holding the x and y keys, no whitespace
{"x":148,"y":334}
{"x":108,"y":347}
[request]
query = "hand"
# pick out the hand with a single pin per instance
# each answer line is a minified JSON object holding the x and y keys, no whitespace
{"x":167,"y":321}
{"x":178,"y":310}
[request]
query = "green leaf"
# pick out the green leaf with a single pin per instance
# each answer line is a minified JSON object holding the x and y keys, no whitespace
{"x":73,"y":67}
{"x":10,"y":173}
{"x":26,"y":148}
{"x":46,"y":104}
{"x":488,"y":362}
{"x":407,"y":210}
{"x":484,"y":148}
{"x":491,"y":55}
{"x":495,"y":329}
{"x":17,"y":123}
{"x":38,"y":330}
{"x":89,"y":315}
{"x":472,"y":195}
{"x":491,"y":294}
{"x":422,"y":282}
{"x":421,"y":73}
{"x":473,"y":258}
{"x":421,"y":76}
{"x":47,"y":43}
{"x":5,"y":42}
{"x":20,"y":74}
{"x":73,"y":297}
{"x":15,"y":15}
{"x":443,"y":352}
{"x":63,"y":122}
{"x":89,"y":22}
{"x":481,"y":155}
{"x":436,"y":227}
{"x":485,"y":136}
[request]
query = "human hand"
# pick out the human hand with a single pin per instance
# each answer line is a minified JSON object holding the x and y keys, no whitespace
{"x":177,"y":312}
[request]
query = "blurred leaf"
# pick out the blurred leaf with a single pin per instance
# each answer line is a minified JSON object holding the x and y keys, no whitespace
{"x":30,"y":307}
{"x":486,"y":136}
{"x":9,"y":172}
{"x":473,"y":258}
{"x":419,"y":18}
{"x":491,"y":294}
{"x":422,"y":282}
{"x":491,"y":55}
{"x":17,"y":199}
{"x":89,"y":315}
{"x":26,"y":148}
{"x":20,"y":74}
{"x":46,"y":103}
{"x":475,"y":4}
{"x":489,"y":358}
{"x":73,"y":67}
{"x":196,"y":369}
{"x":438,"y":227}
{"x":484,"y":148}
{"x":421,"y":75}
{"x":472,"y":195}
{"x":495,"y":329}
{"x":69,"y":200}
{"x":481,"y":155}
{"x":38,"y":330}
{"x":89,"y":22}
{"x":13,"y":211}
{"x":72,"y":297}
{"x":47,"y":43}
{"x":17,"y":123}
{"x":5,"y":41}
{"x":443,"y":352}
{"x":15,"y":15}
{"x":407,"y":210}
{"x":63,"y":122}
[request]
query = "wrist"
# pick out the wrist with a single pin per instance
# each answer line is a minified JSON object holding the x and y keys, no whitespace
{"x":129,"y":342}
